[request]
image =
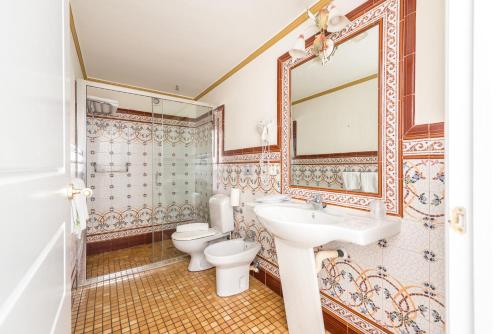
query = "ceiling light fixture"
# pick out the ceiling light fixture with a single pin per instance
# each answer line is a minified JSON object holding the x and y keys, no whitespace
{"x":328,"y":20}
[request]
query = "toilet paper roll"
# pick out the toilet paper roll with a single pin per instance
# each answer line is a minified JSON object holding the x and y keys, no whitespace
{"x":235,"y":197}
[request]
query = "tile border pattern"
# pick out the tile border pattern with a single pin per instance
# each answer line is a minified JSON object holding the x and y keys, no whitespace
{"x":424,"y":146}
{"x":337,"y":161}
{"x":131,"y":232}
{"x":144,"y":118}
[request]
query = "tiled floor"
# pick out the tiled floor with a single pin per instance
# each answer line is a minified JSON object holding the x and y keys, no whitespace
{"x":132,"y":257}
{"x":172,"y":300}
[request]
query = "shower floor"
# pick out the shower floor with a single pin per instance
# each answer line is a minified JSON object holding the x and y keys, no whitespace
{"x":119,"y":260}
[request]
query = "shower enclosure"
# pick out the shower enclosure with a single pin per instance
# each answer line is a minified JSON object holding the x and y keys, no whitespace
{"x":149,"y":163}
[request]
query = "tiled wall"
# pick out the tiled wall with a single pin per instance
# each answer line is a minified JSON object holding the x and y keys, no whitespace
{"x":398,"y":283}
{"x":161,"y":176}
{"x":327,"y":174}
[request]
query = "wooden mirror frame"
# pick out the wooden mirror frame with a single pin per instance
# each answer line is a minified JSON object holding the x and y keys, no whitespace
{"x":387,"y":16}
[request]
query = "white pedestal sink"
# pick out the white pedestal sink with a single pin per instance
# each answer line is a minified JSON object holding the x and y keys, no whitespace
{"x":297,"y":230}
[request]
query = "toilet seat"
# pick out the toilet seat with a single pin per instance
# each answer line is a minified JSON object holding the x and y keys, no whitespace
{"x":193,"y":235}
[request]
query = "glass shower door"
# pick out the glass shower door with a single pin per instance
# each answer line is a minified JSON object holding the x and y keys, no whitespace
{"x":182,"y":173}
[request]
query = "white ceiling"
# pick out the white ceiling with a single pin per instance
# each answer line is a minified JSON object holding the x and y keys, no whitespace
{"x":354,"y":59}
{"x":159,"y":44}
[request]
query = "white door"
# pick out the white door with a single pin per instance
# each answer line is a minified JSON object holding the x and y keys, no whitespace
{"x":459,"y":166}
{"x":34,"y":167}
{"x":472,"y":166}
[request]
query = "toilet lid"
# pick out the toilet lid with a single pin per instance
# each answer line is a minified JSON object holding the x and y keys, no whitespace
{"x":192,"y":235}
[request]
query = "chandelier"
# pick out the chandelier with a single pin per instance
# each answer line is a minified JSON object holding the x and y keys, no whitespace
{"x":328,"y":20}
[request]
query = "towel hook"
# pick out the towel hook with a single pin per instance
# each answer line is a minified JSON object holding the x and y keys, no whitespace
{"x":72,"y":191}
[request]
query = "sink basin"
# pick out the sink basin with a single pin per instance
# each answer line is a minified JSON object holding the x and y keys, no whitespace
{"x":297,"y":229}
{"x":306,"y":228}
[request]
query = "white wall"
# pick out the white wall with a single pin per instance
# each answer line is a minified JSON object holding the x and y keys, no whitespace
{"x":429,"y":77}
{"x":250,"y":95}
{"x":344,"y":121}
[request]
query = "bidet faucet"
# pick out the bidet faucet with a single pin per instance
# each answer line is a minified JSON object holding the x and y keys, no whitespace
{"x":317,"y":202}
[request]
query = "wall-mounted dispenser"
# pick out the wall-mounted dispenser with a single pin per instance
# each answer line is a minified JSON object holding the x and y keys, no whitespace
{"x":265,"y":129}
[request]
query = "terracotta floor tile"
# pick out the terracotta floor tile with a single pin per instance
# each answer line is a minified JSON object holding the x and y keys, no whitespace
{"x":172,"y":300}
{"x":128,"y":258}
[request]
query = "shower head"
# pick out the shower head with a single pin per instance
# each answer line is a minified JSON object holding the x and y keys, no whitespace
{"x":99,"y":105}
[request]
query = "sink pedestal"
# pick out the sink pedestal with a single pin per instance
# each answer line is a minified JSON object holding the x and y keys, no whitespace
{"x":300,"y":288}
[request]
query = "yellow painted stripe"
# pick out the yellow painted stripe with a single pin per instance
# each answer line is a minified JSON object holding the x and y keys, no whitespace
{"x":76,"y":42}
{"x":285,"y":31}
{"x":140,"y":88}
{"x":335,"y":89}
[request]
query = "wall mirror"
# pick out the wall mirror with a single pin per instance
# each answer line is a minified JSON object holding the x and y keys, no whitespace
{"x":340,"y":121}
{"x":335,"y":117}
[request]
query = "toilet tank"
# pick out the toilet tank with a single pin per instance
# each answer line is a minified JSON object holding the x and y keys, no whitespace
{"x":221,"y":213}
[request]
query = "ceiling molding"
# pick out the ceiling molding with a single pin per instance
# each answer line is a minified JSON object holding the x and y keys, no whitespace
{"x":285,"y":31}
{"x":336,"y":89}
{"x":74,"y":34}
{"x":139,"y":88}
{"x":76,"y":42}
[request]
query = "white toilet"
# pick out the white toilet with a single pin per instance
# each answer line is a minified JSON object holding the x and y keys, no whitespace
{"x":194,"y":238}
{"x":232,"y":259}
{"x":207,"y":248}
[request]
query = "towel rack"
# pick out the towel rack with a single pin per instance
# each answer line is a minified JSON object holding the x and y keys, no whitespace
{"x":109,"y":168}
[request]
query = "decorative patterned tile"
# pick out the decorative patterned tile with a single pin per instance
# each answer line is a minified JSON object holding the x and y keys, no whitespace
{"x":416,"y":193}
{"x":129,"y":198}
{"x":423,"y":146}
{"x":436,"y":189}
{"x":357,"y":287}
{"x":389,"y":282}
{"x":414,"y":236}
{"x":406,"y":304}
{"x":327,"y":176}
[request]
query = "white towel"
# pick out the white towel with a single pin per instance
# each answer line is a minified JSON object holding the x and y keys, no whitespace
{"x":79,"y":210}
{"x":352,"y":180}
{"x":369,"y":182}
{"x":192,"y":227}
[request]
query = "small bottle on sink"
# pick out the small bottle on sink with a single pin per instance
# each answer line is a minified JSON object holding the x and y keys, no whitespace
{"x":377,"y":209}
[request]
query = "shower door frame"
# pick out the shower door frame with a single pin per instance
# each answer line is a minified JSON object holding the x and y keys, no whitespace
{"x":81,"y":139}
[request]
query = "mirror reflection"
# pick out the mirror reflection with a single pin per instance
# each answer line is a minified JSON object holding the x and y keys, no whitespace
{"x":335,"y":118}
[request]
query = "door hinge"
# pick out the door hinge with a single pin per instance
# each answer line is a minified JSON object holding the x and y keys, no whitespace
{"x":457,"y":220}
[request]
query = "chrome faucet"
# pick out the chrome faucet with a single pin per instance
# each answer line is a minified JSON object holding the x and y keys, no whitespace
{"x":317,"y":202}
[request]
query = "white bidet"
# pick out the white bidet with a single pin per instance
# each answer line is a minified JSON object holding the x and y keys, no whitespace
{"x":232,"y":259}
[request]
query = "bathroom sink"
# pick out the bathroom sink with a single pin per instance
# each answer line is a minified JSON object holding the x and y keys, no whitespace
{"x":306,"y":228}
{"x":297,"y":229}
